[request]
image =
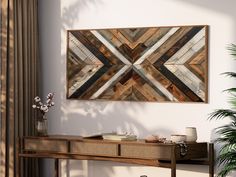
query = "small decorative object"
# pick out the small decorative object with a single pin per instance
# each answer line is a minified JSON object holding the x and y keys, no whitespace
{"x":191,"y":134}
{"x":41,"y":123}
{"x":178,"y":138}
{"x":154,"y":139}
{"x":183,"y":149}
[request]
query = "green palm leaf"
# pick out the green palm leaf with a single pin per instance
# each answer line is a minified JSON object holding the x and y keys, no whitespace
{"x":227,"y":139}
{"x":232,"y":91}
{"x":222,"y":113}
{"x":227,"y":169}
{"x":232,"y":49}
{"x":230,"y":74}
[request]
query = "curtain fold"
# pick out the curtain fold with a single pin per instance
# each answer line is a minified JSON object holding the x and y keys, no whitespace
{"x":18,"y":82}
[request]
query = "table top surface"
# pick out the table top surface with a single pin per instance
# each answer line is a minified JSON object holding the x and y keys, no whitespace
{"x":97,"y":140}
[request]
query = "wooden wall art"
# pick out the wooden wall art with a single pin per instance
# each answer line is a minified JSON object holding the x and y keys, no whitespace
{"x":162,"y":64}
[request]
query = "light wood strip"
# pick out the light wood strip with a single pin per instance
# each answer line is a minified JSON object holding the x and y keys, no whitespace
{"x":149,"y":93}
{"x":111,"y":47}
{"x":156,"y":46}
{"x":168,"y":44}
{"x":132,"y":45}
{"x":155,"y":83}
{"x":108,"y":35}
{"x":82,"y":52}
{"x":110,"y":82}
{"x":121,"y":89}
{"x":82,"y":77}
{"x":188,"y":50}
{"x":157,"y":36}
{"x":189,"y":79}
{"x":199,"y":58}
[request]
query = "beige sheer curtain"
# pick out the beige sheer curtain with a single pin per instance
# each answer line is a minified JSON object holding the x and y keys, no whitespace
{"x":18,"y":81}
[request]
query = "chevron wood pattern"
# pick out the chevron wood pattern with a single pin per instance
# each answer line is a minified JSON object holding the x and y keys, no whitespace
{"x":162,"y":64}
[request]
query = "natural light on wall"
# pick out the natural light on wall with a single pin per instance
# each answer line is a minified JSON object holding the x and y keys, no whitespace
{"x":75,"y":117}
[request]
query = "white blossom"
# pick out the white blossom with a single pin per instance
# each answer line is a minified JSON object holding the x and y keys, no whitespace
{"x":43,"y":108}
{"x":37,"y":99}
{"x":49,"y":95}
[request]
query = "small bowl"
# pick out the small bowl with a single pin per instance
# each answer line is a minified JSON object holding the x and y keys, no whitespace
{"x":178,"y":138}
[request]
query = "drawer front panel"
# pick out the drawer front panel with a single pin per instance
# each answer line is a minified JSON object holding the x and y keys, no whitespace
{"x":197,"y":150}
{"x":45,"y":145}
{"x":146,"y":152}
{"x":98,"y":149}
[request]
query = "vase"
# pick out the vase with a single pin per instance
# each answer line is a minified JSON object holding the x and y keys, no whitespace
{"x":42,"y":126}
{"x":191,"y":134}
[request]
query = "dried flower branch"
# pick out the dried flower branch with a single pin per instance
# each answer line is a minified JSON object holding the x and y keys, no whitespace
{"x":43,"y":108}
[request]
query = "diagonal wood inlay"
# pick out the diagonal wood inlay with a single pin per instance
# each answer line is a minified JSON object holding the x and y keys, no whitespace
{"x":138,"y":64}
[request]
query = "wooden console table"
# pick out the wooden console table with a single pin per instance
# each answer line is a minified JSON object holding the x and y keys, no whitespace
{"x":132,"y":152}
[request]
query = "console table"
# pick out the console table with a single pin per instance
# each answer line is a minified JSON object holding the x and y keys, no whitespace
{"x":132,"y":152}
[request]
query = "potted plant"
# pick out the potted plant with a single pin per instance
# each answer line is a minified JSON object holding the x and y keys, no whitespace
{"x":227,"y":133}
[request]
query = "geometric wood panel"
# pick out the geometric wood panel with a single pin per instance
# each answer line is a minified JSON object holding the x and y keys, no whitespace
{"x":162,"y":64}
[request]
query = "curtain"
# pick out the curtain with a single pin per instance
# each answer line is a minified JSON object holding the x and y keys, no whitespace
{"x":18,"y":82}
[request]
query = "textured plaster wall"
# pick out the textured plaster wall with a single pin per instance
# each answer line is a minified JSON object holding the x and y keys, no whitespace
{"x":85,"y":117}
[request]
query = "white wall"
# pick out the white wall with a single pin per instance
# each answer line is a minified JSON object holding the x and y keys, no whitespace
{"x":85,"y":117}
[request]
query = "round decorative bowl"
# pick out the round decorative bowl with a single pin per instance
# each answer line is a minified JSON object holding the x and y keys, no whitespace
{"x":178,"y":138}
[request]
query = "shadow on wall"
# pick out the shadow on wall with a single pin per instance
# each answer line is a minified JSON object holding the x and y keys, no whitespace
{"x":72,"y":12}
{"x":218,"y":6}
{"x":104,"y":116}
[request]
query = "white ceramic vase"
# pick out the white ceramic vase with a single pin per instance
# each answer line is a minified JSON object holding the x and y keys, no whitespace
{"x":191,"y":134}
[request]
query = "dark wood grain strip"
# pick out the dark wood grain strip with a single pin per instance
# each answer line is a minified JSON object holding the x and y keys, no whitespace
{"x":178,"y":94}
{"x":87,"y":38}
{"x":138,"y":95}
{"x":159,"y":64}
{"x":113,"y":59}
{"x":197,"y":64}
{"x":139,"y":77}
{"x":101,"y":81}
{"x":80,"y":91}
{"x":133,"y":36}
{"x":179,"y":84}
{"x":177,"y":46}
{"x":72,"y":68}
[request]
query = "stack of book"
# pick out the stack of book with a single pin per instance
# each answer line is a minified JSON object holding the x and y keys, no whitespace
{"x":119,"y":137}
{"x":113,"y":136}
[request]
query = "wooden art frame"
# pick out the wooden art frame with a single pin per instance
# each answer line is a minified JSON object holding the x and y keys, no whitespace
{"x":162,"y":64}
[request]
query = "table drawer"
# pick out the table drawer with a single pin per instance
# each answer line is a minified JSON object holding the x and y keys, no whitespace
{"x":146,"y":152}
{"x":194,"y":151}
{"x":93,"y":148}
{"x":45,"y":145}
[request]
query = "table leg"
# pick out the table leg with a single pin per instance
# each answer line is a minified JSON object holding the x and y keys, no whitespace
{"x":173,"y":161}
{"x":56,"y":168}
{"x":211,"y":160}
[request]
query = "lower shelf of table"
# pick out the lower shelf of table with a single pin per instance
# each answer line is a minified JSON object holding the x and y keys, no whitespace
{"x":147,"y":162}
